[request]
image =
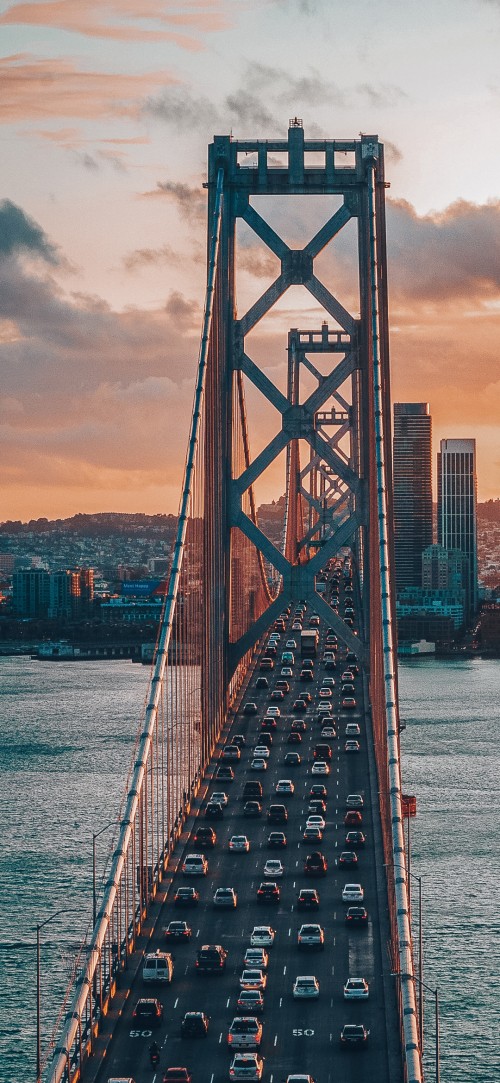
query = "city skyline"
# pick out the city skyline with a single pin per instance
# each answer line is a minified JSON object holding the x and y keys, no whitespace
{"x":107,"y":113}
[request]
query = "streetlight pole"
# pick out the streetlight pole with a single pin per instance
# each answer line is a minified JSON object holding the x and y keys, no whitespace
{"x":413,"y":876}
{"x":40,"y":926}
{"x":435,"y":993}
{"x":95,"y":835}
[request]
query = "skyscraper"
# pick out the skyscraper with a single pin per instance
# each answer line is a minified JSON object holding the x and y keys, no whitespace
{"x":457,"y":499}
{"x":412,"y":456}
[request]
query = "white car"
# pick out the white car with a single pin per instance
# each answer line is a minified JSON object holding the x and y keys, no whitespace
{"x":287,"y":671}
{"x":352,"y":893}
{"x":273,"y":712}
{"x":285,"y":785}
{"x":352,"y":746}
{"x":253,"y":979}
{"x":328,"y":682}
{"x":356,"y":989}
{"x":291,"y":644}
{"x":328,"y":731}
{"x":324,"y":707}
{"x":257,"y":957}
{"x":195,"y":865}
{"x":316,"y":821}
{"x":239,"y":844}
{"x":354,"y":800}
{"x":220,"y":798}
{"x":258,"y":764}
{"x":306,"y":985}
{"x":261,"y":752}
{"x":273,"y":868}
{"x":321,"y":767}
{"x":262,"y":936}
{"x":246,"y":1066}
{"x":325,"y":693}
{"x":352,"y":729}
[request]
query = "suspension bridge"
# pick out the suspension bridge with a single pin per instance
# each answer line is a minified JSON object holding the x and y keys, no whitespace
{"x":323,"y":424}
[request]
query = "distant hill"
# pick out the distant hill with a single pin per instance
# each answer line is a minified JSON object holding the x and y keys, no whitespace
{"x":102,"y":524}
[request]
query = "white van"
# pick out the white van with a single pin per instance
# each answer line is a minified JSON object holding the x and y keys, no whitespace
{"x":158,"y":967}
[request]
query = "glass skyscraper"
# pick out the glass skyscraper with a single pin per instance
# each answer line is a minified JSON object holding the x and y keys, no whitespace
{"x":412,"y":458}
{"x":457,"y":514}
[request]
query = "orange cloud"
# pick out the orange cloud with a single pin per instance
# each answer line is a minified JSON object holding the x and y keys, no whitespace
{"x":123,"y":20}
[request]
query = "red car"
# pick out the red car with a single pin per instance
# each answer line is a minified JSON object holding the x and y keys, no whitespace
{"x":177,"y":1075}
{"x":353,"y":817}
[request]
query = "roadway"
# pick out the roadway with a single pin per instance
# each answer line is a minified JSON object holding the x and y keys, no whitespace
{"x":299,"y":1036}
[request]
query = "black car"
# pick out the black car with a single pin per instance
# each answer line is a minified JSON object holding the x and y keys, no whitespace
{"x":353,"y":1034}
{"x":186,"y":896}
{"x":239,"y":740}
{"x":252,"y":788}
{"x":211,"y":959}
{"x":250,"y":708}
{"x":300,"y":706}
{"x":231,"y":754}
{"x":348,"y":858}
{"x":178,"y":932}
{"x":276,"y":840}
{"x":298,"y":725}
{"x":252,"y":808}
{"x":148,"y":1010}
{"x":356,"y":915}
{"x":292,"y":759}
{"x":318,"y":789}
{"x":224,"y":773}
{"x":294,"y":738}
{"x":268,"y":892}
{"x":277,"y":814}
{"x":205,"y":837}
{"x":307,"y":899}
{"x":262,"y":682}
{"x":266,"y":739}
{"x":306,"y":675}
{"x":194,"y":1025}
{"x":317,"y":806}
{"x":355,"y":839}
{"x":214,"y":810}
{"x":315,"y":864}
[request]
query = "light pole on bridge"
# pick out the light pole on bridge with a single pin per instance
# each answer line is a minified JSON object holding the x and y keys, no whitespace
{"x":413,"y":876}
{"x":95,"y":835}
{"x":435,"y":993}
{"x":40,"y":926}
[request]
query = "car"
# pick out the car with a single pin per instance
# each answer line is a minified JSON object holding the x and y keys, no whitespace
{"x":277,"y":814}
{"x":353,"y":1034}
{"x":271,"y":650}
{"x":265,"y":738}
{"x":268,"y":892}
{"x":285,"y":786}
{"x":318,"y":789}
{"x":347,"y":690}
{"x":186,"y":896}
{"x":299,"y":705}
{"x":299,"y":1079}
{"x":288,"y":658}
{"x":210,"y":959}
{"x":220,"y":798}
{"x":352,"y":746}
{"x":225,"y":773}
{"x":328,"y":731}
{"x":231,"y":754}
{"x":273,"y":868}
{"x":329,"y":656}
{"x":346,"y":675}
{"x":292,"y":759}
{"x":245,"y":1032}
{"x":252,"y":788}
{"x":355,"y":839}
{"x":283,"y":686}
{"x":349,"y":621}
{"x":325,"y":693}
{"x":277,"y":694}
{"x":320,"y":767}
{"x":177,"y":932}
{"x":246,"y":1066}
{"x":226,"y":897}
{"x":239,"y":844}
{"x":273,"y":712}
{"x":195,"y":865}
{"x":306,"y":985}
{"x":353,"y":817}
{"x":315,"y":864}
{"x":356,"y":989}
{"x":194,"y":1025}
{"x":307,"y":899}
{"x":354,"y":800}
{"x":311,"y":936}
{"x":306,"y":675}
{"x":291,"y":644}
{"x":205,"y":837}
{"x":177,"y":1075}
{"x":328,"y":682}
{"x":298,"y":725}
{"x":148,"y":1010}
{"x":307,"y":663}
{"x":316,"y":805}
{"x":348,"y":703}
{"x":266,"y":663}
{"x":256,"y":957}
{"x":276,"y":840}
{"x":262,"y":936}
{"x":269,"y":723}
{"x":330,"y":663}
{"x":314,"y":621}
{"x":324,"y":708}
{"x":356,"y":915}
{"x":214,"y":810}
{"x":322,"y":752}
{"x":297,"y":626}
{"x":347,"y":858}
{"x":253,"y":978}
{"x":252,"y":808}
{"x":307,"y":696}
{"x":258,"y":764}
{"x":262,"y":682}
{"x":261,"y":752}
{"x":352,"y":893}
{"x":312,"y":834}
{"x":294,"y":738}
{"x":250,"y":708}
{"x":250,"y":1000}
{"x":352,"y":730}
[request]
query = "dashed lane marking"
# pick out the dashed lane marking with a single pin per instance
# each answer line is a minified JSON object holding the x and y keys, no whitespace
{"x":176,"y":1002}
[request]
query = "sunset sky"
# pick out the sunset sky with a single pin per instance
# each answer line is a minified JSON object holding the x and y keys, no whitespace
{"x":107,"y":108}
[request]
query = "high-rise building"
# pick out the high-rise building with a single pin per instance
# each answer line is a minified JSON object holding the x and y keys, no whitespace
{"x":31,"y":592}
{"x":412,"y":458}
{"x":443,"y":569}
{"x":457,"y":502}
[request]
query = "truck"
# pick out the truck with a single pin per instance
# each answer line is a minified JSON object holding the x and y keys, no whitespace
{"x":309,"y":640}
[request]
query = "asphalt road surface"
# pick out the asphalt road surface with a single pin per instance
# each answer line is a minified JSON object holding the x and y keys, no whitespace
{"x":299,"y":1036}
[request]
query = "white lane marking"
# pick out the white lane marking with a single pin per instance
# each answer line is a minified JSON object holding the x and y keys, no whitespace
{"x":289,"y":932}
{"x":212,"y":1078}
{"x":228,"y":1002}
{"x":281,"y":1001}
{"x":176,"y":1002}
{"x":197,"y":933}
{"x":275,"y":1040}
{"x":220,"y":1037}
{"x":186,"y":970}
{"x":284,"y":969}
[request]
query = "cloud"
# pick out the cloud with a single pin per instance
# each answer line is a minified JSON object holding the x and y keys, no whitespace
{"x":182,"y":110}
{"x":32,"y":88}
{"x":191,"y":202}
{"x":151,"y":257}
{"x":124,"y":20}
{"x":20,"y":233}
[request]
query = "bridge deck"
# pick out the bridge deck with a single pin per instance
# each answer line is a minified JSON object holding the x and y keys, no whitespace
{"x":299,"y":1036}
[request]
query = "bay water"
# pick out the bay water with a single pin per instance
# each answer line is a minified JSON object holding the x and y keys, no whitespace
{"x":67,"y":734}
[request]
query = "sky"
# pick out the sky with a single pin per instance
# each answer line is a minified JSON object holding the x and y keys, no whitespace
{"x":107,"y":109}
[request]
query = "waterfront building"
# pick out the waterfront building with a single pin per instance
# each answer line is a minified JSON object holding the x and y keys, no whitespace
{"x":31,"y":592}
{"x":443,"y":569}
{"x":412,"y":458}
{"x":415,"y":601}
{"x":457,"y":508}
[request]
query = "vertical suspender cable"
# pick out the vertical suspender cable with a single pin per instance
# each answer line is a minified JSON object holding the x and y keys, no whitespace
{"x":410,"y":1029}
{"x":133,"y":798}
